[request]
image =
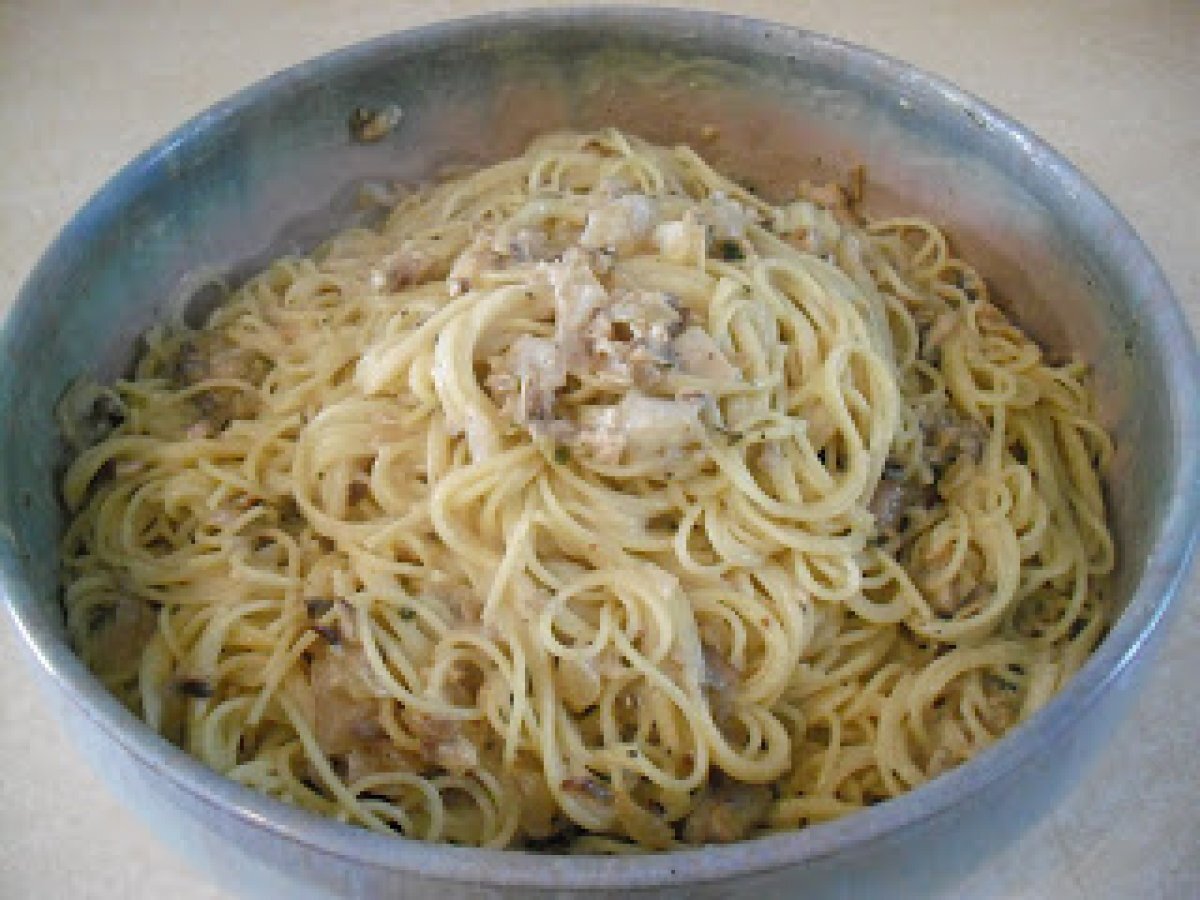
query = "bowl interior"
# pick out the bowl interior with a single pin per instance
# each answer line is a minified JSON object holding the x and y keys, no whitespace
{"x":274,"y":170}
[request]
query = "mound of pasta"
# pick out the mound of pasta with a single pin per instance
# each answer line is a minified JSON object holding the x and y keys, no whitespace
{"x":591,"y":503}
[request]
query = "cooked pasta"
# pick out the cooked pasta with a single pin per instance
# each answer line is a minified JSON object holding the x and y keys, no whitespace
{"x":591,"y":503}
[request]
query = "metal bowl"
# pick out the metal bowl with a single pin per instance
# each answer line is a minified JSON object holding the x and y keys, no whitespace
{"x":273,"y":169}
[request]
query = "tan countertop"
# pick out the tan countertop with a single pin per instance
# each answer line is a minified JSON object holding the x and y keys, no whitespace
{"x":1113,"y":85}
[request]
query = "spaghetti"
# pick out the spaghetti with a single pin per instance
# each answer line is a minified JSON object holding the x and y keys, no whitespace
{"x":591,"y":503}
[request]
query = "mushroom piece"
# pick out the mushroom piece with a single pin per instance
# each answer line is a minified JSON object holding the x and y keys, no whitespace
{"x":727,"y":812}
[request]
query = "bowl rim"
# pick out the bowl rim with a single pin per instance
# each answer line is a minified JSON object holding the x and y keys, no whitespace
{"x":1164,"y":323}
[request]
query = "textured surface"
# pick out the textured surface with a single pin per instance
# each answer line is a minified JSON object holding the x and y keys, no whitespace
{"x":1111,"y":85}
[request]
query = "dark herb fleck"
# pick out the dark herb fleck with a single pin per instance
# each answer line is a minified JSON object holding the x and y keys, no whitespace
{"x":370,"y":125}
{"x":289,"y":516}
{"x":621,"y":331}
{"x":407,"y":613}
{"x":729,"y":250}
{"x":330,"y":633}
{"x":194,"y":687}
{"x":100,"y":616}
{"x":313,"y":786}
{"x":562,"y":454}
{"x":558,"y":842}
{"x":317,"y":606}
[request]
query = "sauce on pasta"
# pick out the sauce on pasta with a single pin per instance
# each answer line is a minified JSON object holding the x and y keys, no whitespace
{"x":591,"y":503}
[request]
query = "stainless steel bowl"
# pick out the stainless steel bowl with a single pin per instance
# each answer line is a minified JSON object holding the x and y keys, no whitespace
{"x":273,"y":169}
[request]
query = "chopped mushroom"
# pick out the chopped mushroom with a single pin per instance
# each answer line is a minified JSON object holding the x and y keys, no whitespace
{"x":527,"y":245}
{"x":727,"y":812}
{"x":462,"y":683}
{"x":463,"y":602}
{"x":895,"y":497}
{"x":205,"y":355}
{"x":374,"y":755}
{"x":404,"y":267}
{"x":442,"y":742}
{"x":87,"y":413}
{"x":343,"y":707}
{"x":950,"y":435}
{"x":998,"y":713}
{"x":118,"y":632}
